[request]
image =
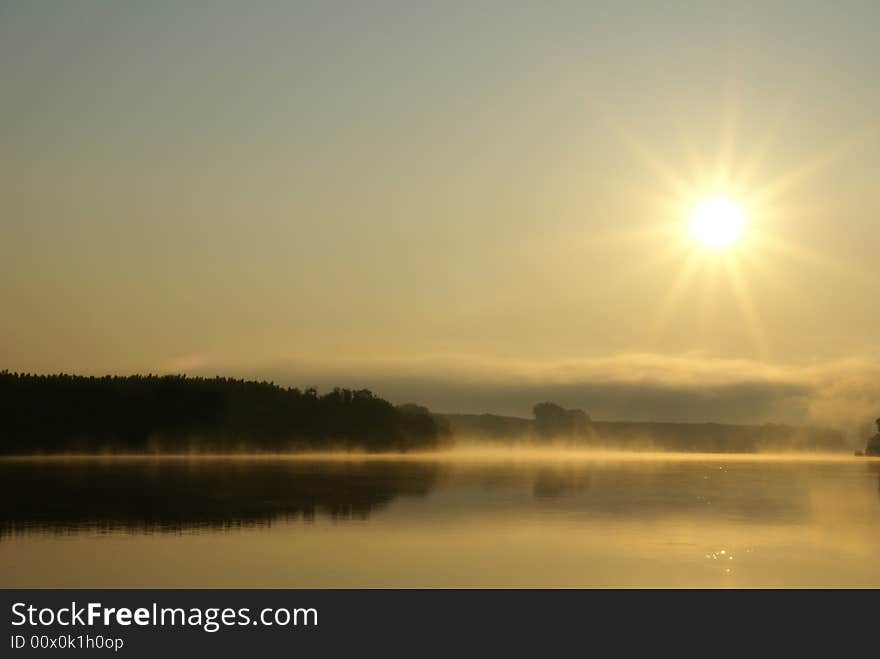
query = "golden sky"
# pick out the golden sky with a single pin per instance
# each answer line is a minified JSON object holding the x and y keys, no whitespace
{"x":468,"y":204}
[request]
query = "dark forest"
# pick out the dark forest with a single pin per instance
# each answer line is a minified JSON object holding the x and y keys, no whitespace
{"x":172,"y":414}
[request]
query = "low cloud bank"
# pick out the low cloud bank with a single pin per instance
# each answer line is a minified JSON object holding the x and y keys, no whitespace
{"x":640,"y":387}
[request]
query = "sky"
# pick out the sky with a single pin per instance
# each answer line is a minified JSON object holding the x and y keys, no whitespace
{"x":473,"y":205}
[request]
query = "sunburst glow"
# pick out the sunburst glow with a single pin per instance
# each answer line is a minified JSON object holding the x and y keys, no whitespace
{"x":717,"y":222}
{"x":729,"y":207}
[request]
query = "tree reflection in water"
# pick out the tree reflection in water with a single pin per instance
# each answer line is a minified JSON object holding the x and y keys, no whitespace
{"x":139,"y":495}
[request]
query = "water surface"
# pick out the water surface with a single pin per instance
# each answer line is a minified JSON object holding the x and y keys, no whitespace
{"x":461,"y":519}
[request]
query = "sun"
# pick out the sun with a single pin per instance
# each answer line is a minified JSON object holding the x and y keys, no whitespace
{"x":709,"y":226}
{"x":717,"y":222}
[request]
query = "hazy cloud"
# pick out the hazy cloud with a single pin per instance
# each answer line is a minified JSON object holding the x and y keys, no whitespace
{"x":690,"y":387}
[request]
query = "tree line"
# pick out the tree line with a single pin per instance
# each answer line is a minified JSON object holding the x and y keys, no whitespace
{"x":555,"y":424}
{"x":175,"y":413}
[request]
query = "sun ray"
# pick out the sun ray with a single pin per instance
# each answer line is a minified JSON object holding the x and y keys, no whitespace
{"x":799,"y":175}
{"x":743,"y":295}
{"x":709,"y":297}
{"x":751,"y":165}
{"x":727,"y":136}
{"x":696,"y":164}
{"x":666,"y":173}
{"x":769,"y":273}
{"x":803,"y":254}
{"x":682,"y":283}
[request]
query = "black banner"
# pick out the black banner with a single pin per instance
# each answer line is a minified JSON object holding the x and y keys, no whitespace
{"x":150,"y":623}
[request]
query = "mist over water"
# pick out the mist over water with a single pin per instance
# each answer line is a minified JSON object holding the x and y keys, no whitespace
{"x":475,"y":516}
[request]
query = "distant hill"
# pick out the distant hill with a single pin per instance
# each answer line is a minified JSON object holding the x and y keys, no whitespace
{"x":700,"y":437}
{"x":488,"y":426}
{"x":719,"y":437}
